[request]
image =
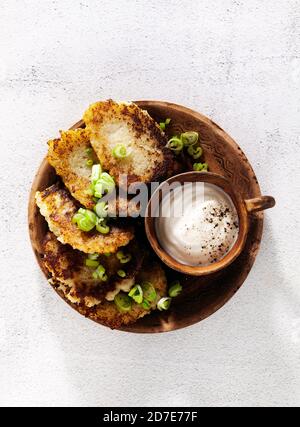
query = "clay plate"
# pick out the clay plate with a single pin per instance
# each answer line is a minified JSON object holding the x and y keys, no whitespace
{"x":202,"y":296}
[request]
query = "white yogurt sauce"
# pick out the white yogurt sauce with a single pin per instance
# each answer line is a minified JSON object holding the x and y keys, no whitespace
{"x":205,"y":231}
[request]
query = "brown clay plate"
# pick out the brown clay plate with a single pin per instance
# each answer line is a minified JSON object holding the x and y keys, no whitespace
{"x":202,"y":296}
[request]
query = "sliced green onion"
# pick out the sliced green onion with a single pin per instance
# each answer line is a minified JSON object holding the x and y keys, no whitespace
{"x":164,"y":124}
{"x":120,"y":255}
{"x":89,"y":163}
{"x":107,"y":179}
{"x":149,"y":291}
{"x":85,"y":225}
{"x":93,"y":257}
{"x":136,"y":294}
{"x":99,"y":273}
{"x":200,"y":167}
{"x":85,"y":219}
{"x":126,"y":259}
{"x":164,"y":303}
{"x":101,"y":209}
{"x":96,"y":172}
{"x":175,"y":289}
{"x":197,"y":167}
{"x":91,"y":263}
{"x":189,"y":138}
{"x":77,"y":217}
{"x":121,"y":273}
{"x":102,"y":226}
{"x":98,"y":189}
{"x":105,"y":184}
{"x":195,"y":152}
{"x":175,"y":144}
{"x":123,"y":302}
{"x":89,"y":151}
{"x":120,"y":151}
{"x":146,"y":304}
{"x":109,"y":184}
{"x":123,"y":258}
{"x":107,"y":254}
{"x":91,"y":216}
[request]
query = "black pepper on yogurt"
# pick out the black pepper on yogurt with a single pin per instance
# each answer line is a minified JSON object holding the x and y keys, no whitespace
{"x":206,"y":231}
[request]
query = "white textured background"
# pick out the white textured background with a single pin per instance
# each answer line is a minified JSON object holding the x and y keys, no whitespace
{"x":237,"y":62}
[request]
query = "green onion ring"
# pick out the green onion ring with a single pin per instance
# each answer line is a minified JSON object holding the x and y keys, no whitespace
{"x":99,"y":273}
{"x":190,"y":138}
{"x":136,"y":294}
{"x":120,"y":151}
{"x":102,"y":226}
{"x":175,"y":144}
{"x":91,"y":263}
{"x":123,"y":302}
{"x":124,"y":258}
{"x":164,"y":303}
{"x":175,"y":289}
{"x":200,"y":167}
{"x":96,"y":172}
{"x":195,"y":152}
{"x":149,"y":291}
{"x":101,"y":209}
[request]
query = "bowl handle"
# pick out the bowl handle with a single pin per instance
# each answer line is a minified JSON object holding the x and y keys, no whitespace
{"x":260,"y":203}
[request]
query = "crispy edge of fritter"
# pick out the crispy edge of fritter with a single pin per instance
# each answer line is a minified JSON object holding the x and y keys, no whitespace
{"x":61,"y":154}
{"x":58,"y":208}
{"x":140,"y":123}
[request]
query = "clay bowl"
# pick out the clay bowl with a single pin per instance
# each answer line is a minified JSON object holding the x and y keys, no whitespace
{"x":243,"y":208}
{"x":202,"y":296}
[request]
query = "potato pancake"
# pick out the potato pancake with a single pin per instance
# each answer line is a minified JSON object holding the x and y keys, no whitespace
{"x":68,"y":266}
{"x":58,"y":208}
{"x":110,"y":123}
{"x":107,"y":313}
{"x":68,"y":155}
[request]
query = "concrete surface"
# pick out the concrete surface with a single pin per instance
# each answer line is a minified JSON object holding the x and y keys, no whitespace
{"x":237,"y":62}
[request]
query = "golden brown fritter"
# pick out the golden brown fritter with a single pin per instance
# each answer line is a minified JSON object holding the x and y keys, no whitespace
{"x":108,"y":314}
{"x":69,"y":157}
{"x":110,"y":123}
{"x":58,"y":207}
{"x":67,"y":266}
